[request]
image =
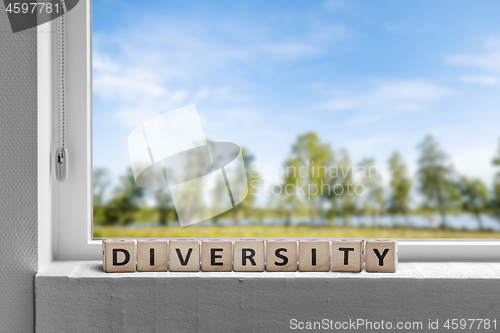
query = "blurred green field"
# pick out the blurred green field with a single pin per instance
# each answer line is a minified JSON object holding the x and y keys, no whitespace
{"x":284,"y":232}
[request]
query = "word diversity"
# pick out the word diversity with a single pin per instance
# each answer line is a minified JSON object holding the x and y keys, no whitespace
{"x":183,"y":255}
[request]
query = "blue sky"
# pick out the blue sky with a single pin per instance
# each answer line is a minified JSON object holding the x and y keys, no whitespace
{"x":369,"y":76}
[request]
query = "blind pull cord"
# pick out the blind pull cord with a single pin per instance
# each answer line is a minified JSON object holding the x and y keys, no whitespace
{"x":61,"y":158}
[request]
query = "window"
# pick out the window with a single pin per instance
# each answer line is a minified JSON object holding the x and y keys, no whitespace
{"x":329,"y":88}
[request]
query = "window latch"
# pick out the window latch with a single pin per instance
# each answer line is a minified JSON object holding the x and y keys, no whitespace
{"x":61,"y":164}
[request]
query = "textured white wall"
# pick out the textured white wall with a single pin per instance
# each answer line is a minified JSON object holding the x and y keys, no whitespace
{"x":18,"y":176}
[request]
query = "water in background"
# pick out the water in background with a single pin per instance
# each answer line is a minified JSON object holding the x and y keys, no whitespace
{"x":456,"y":222}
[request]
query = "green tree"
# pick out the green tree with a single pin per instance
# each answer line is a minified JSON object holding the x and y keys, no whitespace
{"x":246,"y":207}
{"x":373,"y":189}
{"x":435,"y":177}
{"x":220,"y":194}
{"x":290,"y":202}
{"x":399,"y":200}
{"x":164,"y":206}
{"x":100,"y":183}
{"x":343,"y":194}
{"x":126,"y":201}
{"x":475,"y":196}
{"x":310,"y":160}
{"x":496,"y":191}
{"x":496,"y":185}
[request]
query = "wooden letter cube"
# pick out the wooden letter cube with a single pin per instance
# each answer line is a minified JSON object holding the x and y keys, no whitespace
{"x":381,"y":256}
{"x":152,"y":255}
{"x":184,"y":255}
{"x":281,"y":256}
{"x":216,"y":255}
{"x":347,"y":256}
{"x":249,"y":255}
{"x":118,"y":256}
{"x":314,"y":256}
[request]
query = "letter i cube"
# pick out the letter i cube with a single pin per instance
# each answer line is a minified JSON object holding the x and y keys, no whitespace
{"x":314,"y":255}
{"x":152,"y":255}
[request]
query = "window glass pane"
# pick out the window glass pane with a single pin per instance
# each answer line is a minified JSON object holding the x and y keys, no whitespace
{"x":296,"y":119}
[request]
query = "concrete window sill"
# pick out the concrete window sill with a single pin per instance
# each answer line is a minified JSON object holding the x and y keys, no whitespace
{"x":80,"y":297}
{"x":413,"y":270}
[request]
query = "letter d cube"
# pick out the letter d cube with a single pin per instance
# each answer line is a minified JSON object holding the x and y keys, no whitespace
{"x":118,"y":256}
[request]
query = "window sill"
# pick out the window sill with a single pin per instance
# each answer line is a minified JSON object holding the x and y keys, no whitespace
{"x":409,"y":270}
{"x":80,"y":297}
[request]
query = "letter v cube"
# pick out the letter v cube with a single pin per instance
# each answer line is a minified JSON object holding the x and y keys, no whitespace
{"x":184,"y":255}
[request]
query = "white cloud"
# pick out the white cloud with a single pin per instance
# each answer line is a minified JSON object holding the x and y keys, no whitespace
{"x":492,"y":42}
{"x":101,"y":62}
{"x":362,"y":120}
{"x":389,"y":96}
{"x":340,"y":104}
{"x":137,"y":114}
{"x":187,"y":52}
{"x":231,"y":118}
{"x":160,"y":63}
{"x":244,"y":115}
{"x":474,"y":161}
{"x":488,"y":61}
{"x":334,"y":5}
{"x":370,"y":142}
{"x":480,"y":79}
{"x":126,"y":85}
{"x":287,"y":50}
{"x":407,"y":92}
{"x":142,"y":109}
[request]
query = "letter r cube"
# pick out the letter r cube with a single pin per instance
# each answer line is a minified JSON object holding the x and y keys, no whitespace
{"x":249,"y":256}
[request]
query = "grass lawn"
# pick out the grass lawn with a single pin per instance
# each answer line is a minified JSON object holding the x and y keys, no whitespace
{"x":283,"y":232}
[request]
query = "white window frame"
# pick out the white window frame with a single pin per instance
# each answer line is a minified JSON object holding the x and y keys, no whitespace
{"x":72,"y":208}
